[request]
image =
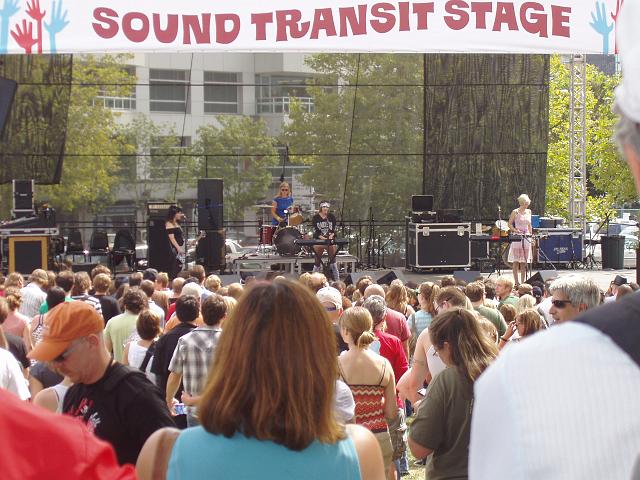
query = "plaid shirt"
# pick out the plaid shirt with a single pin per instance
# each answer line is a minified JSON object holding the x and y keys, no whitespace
{"x":193,"y":356}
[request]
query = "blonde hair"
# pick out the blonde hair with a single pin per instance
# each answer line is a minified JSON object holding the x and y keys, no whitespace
{"x":525,"y":302}
{"x":357,"y":321}
{"x":396,"y":297}
{"x":13,"y":297}
{"x":524,"y":199}
{"x":212,"y":283}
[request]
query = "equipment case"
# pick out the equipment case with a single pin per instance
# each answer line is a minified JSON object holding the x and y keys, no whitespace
{"x":438,"y":245}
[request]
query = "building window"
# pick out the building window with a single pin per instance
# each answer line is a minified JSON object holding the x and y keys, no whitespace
{"x":165,"y":156}
{"x":169,"y":91}
{"x":114,"y":98}
{"x":275,"y":93}
{"x":222,"y":92}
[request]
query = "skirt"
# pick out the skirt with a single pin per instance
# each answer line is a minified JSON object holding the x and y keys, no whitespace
{"x":520,"y":251}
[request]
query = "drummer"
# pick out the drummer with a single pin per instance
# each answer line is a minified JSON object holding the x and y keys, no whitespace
{"x":282,"y":202}
{"x":324,"y":228}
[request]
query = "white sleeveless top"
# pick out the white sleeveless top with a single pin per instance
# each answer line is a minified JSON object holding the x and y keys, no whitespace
{"x":60,"y":390}
{"x":136,"y":357}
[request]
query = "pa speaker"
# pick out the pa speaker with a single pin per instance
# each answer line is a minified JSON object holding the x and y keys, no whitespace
{"x":7,"y":92}
{"x":159,"y":255}
{"x":389,"y":276}
{"x":542,"y":276}
{"x":467,"y":276}
{"x":353,"y":277}
{"x":210,"y":203}
{"x":210,"y":251}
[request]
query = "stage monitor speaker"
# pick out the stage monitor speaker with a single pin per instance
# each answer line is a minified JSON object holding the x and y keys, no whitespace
{"x":210,"y":204}
{"x":467,"y":276}
{"x":353,"y":277}
{"x":28,"y":253}
{"x":23,"y":195}
{"x":389,"y":276}
{"x":7,"y":92}
{"x":421,"y":203}
{"x":542,"y":276}
{"x":211,"y":251}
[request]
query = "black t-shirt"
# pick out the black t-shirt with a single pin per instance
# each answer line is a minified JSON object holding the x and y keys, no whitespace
{"x":323,"y":226}
{"x":18,"y":349}
{"x":47,"y":377}
{"x":110,"y":307}
{"x":123,"y":408}
{"x":165,"y":347}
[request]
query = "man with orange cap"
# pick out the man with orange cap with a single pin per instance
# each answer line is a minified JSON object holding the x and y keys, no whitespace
{"x":116,"y":402}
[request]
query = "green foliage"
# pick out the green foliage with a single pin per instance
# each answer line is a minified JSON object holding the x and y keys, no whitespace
{"x":88,"y":178}
{"x":239,"y":151}
{"x":610,"y":181}
{"x":377,"y":122}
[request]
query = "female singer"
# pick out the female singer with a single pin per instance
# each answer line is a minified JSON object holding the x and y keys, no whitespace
{"x":175,"y":215}
{"x":324,"y":228}
{"x":520,"y":251}
{"x":284,"y":201}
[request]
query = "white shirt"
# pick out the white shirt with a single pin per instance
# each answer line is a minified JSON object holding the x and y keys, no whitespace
{"x":561,"y":404}
{"x":544,"y":308}
{"x":32,"y":297}
{"x":11,"y":377}
{"x":344,"y":405}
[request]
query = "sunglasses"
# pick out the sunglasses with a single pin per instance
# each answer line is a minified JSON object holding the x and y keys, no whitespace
{"x":332,"y":308}
{"x":560,"y":303}
{"x":66,"y":354}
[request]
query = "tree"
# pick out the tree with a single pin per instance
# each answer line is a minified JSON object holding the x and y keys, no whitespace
{"x":93,"y":144}
{"x":609,"y":180}
{"x":381,"y":126}
{"x":239,"y":151}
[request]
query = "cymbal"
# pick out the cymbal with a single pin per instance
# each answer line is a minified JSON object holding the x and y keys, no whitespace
{"x":502,"y":225}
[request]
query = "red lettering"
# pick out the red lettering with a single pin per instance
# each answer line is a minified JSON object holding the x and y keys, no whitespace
{"x":323,"y":20}
{"x":135,"y":35}
{"x":422,"y":11}
{"x":289,"y":20}
{"x":481,"y":9}
{"x":223,"y":35}
{"x":380,"y":10}
{"x":357,"y":23}
{"x":201,"y":32}
{"x":403,"y":11}
{"x":169,"y":34}
{"x":260,"y":20}
{"x":109,"y":27}
{"x":536,"y":22}
{"x":560,"y":21}
{"x":458,"y":18}
{"x":505,"y":14}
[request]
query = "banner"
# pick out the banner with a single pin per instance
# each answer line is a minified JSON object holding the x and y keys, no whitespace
{"x":76,"y":26}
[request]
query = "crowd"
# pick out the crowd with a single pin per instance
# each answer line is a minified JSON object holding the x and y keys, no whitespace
{"x":274,"y":369}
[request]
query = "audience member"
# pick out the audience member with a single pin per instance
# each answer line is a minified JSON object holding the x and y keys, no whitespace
{"x":397,"y":298}
{"x":475,"y":291}
{"x":294,"y":371}
{"x":235,"y":290}
{"x":80,"y":291}
{"x":504,"y":291}
{"x":331,"y":300}
{"x":395,"y":323}
{"x":442,"y":427}
{"x":16,"y":324}
{"x":109,"y":305}
{"x":120,"y":330}
{"x":117,"y":403}
{"x":526,"y":323}
{"x":33,"y":294}
{"x":572,"y":295}
{"x":12,"y":378}
{"x":139,"y":353}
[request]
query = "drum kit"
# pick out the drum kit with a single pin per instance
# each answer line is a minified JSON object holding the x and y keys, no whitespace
{"x":281,"y":237}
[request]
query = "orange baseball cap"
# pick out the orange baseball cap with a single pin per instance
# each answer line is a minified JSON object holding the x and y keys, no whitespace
{"x":64,"y":324}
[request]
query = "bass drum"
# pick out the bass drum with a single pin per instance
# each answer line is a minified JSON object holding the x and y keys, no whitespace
{"x":284,"y":241}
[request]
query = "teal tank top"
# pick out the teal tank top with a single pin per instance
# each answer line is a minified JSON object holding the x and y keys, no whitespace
{"x":198,"y":454}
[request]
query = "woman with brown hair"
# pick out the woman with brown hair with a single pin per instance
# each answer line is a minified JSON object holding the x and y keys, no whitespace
{"x":370,"y":378}
{"x":269,"y":396}
{"x":16,"y":323}
{"x":11,"y":377}
{"x":397,"y":298}
{"x":442,"y":426}
{"x":526,"y":323}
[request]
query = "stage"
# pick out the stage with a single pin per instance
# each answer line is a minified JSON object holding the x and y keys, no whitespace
{"x":292,"y":264}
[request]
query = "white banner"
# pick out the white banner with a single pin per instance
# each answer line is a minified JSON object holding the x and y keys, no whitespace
{"x":75,"y":26}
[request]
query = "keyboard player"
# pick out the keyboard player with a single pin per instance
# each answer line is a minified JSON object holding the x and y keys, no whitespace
{"x":324,"y":228}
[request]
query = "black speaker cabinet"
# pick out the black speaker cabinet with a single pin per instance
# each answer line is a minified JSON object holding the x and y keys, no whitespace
{"x":438,"y":245}
{"x":22,"y":195}
{"x":210,"y":204}
{"x":159,"y":255}
{"x":7,"y":92}
{"x":211,"y":250}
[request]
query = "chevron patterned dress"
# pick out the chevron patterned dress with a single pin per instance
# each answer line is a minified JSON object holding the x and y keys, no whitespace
{"x":370,"y":407}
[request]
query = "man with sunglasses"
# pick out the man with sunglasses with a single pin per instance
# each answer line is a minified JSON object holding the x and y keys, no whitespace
{"x":572,"y":295}
{"x":118,"y":404}
{"x":563,"y":404}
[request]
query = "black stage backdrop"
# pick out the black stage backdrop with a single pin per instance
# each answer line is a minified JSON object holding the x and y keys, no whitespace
{"x":34,"y":138}
{"x":486,"y":133}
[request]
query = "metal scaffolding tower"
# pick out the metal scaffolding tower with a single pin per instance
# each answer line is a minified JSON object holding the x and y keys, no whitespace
{"x":578,"y":143}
